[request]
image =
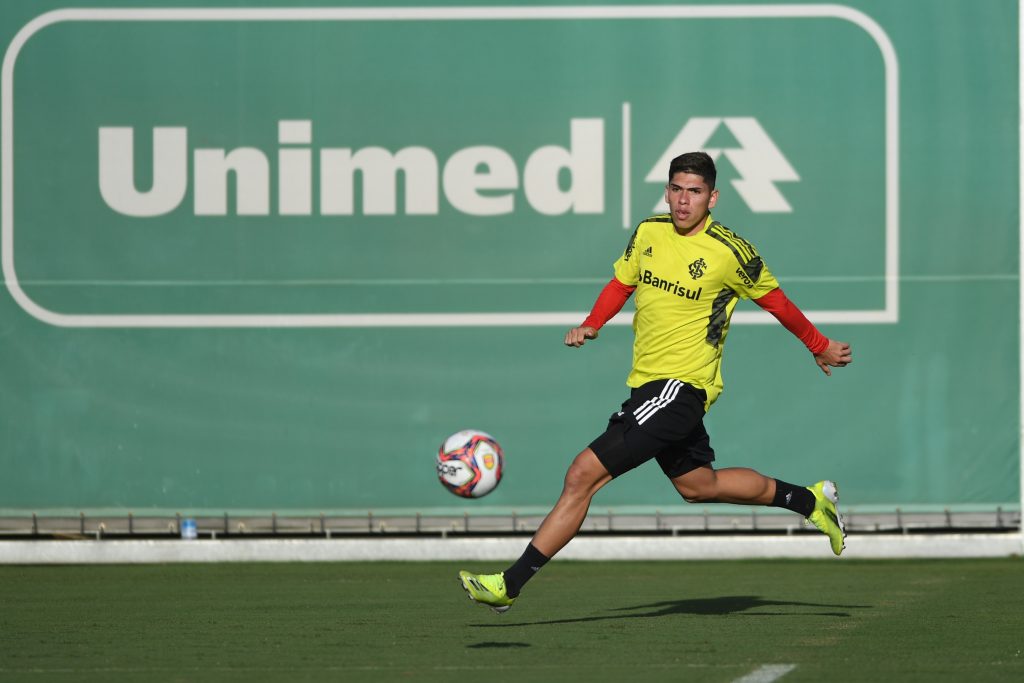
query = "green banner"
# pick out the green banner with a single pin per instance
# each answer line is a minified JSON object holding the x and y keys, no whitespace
{"x":269,"y":258}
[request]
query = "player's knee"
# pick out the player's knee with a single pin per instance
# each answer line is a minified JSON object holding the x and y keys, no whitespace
{"x":697,"y":495}
{"x":701,"y":491}
{"x":576,"y":481}
{"x":581,"y":478}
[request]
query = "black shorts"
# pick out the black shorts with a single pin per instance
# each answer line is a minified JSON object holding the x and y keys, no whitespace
{"x":664,"y":420}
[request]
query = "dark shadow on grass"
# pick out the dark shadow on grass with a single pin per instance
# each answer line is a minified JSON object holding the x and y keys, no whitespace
{"x":491,"y":644}
{"x":732,"y":604}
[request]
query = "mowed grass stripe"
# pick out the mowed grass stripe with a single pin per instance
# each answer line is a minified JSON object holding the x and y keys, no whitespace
{"x":600,"y":621}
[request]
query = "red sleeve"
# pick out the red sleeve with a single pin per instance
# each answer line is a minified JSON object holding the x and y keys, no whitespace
{"x":609,"y":302}
{"x":792,"y":318}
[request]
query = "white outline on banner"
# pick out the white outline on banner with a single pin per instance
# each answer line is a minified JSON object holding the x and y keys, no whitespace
{"x":627,"y":150}
{"x":888,"y":314}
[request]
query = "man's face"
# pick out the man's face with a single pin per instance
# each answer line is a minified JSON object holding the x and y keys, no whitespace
{"x":689,"y":201}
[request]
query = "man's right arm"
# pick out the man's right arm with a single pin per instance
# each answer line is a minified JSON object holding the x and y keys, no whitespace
{"x":611,"y":300}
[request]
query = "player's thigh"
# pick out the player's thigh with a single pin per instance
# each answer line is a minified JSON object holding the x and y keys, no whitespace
{"x":699,"y":483}
{"x":693,"y":453}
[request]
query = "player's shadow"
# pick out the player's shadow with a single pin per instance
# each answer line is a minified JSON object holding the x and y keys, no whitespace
{"x":494,"y":645}
{"x":730,"y":604}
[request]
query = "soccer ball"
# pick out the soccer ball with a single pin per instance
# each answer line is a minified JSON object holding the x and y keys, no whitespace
{"x":469,"y":463}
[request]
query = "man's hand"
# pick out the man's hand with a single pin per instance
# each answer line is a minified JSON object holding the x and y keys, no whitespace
{"x":837,"y":355}
{"x":578,"y":336}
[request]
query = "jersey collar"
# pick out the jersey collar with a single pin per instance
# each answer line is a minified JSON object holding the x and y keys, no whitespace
{"x":707,"y":222}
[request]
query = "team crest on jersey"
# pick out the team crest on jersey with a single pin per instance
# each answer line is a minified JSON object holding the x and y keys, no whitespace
{"x":697,"y":268}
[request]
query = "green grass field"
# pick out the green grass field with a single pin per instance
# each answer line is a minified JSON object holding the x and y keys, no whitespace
{"x":955,"y":620}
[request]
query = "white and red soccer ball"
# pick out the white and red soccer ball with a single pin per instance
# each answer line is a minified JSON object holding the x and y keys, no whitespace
{"x":469,"y":463}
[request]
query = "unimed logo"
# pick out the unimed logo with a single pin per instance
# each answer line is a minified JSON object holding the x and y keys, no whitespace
{"x":758,"y":160}
{"x":479,"y":180}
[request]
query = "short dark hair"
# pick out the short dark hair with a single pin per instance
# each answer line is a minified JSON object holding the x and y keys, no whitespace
{"x":697,"y":163}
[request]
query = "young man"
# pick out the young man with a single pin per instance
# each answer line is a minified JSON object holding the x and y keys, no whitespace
{"x":687,"y":271}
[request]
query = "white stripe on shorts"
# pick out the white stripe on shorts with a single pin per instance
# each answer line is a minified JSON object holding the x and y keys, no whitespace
{"x":653,"y":405}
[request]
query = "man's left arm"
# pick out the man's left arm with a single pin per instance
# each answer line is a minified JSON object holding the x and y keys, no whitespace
{"x":828,"y":353}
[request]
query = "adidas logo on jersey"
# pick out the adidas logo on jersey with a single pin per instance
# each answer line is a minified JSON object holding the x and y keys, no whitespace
{"x":648,"y":251}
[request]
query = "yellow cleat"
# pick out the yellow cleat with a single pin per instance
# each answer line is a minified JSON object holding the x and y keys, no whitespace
{"x":826,"y":515}
{"x":487,"y":589}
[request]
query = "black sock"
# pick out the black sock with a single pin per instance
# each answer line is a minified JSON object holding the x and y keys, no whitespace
{"x":528,"y":564}
{"x":796,"y":498}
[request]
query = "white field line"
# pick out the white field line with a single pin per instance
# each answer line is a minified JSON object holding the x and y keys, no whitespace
{"x":766,"y":673}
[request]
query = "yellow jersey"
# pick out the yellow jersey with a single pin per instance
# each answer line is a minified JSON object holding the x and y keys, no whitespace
{"x":686,"y":290}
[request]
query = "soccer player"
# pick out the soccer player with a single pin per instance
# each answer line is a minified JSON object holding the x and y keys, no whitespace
{"x":687,"y":272}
